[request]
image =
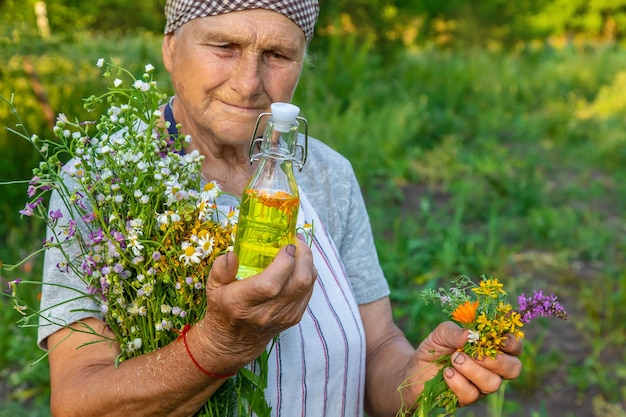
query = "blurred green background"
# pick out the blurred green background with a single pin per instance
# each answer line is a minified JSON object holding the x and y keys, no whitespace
{"x":488,"y":138}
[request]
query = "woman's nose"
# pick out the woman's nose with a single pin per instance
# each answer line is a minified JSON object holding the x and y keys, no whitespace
{"x":247,"y":77}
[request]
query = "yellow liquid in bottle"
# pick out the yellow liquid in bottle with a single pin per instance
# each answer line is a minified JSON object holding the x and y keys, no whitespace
{"x":267,"y":222}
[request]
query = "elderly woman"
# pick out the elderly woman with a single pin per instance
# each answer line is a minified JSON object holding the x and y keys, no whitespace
{"x":339,"y":352}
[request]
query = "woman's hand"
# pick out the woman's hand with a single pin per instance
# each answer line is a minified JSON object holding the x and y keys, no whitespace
{"x":470,"y":379}
{"x":244,"y":315}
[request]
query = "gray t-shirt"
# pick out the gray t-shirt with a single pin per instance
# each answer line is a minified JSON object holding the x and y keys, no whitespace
{"x":330,"y":185}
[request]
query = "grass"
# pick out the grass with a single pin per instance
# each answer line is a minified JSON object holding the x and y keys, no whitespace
{"x":507,"y":164}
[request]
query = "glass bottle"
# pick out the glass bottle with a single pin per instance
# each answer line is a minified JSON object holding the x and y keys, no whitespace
{"x":269,"y":204}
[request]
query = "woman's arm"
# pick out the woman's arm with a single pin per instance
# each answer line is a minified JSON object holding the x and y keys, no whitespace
{"x":85,"y":381}
{"x":242,"y":317}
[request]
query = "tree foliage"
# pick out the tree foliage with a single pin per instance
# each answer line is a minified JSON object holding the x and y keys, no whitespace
{"x":458,"y":21}
{"x":385,"y":24}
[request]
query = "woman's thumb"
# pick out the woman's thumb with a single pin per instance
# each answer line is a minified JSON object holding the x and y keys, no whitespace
{"x":224,"y":270}
{"x":450,"y":335}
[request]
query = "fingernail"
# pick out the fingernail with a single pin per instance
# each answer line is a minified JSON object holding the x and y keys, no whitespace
{"x":448,"y":372}
{"x":291,"y":250}
{"x":459,"y":358}
{"x":301,"y":237}
{"x":506,"y":342}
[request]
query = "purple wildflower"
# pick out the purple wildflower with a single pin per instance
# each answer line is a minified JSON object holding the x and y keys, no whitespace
{"x":29,"y":207}
{"x":88,"y":218}
{"x":156,"y":255}
{"x":15,"y":282}
{"x":117,"y":236}
{"x":27,"y":211}
{"x":80,"y":202}
{"x":56,"y":215}
{"x":63,"y":267}
{"x":71,"y":230}
{"x":540,"y":305}
{"x":13,"y":288}
{"x":103,"y":283}
{"x":91,"y":289}
{"x":96,"y":236}
{"x":32,"y":186}
{"x":89,"y":265}
{"x":111,"y":249}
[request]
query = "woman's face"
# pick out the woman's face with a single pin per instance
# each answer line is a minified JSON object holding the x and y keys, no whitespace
{"x":227,"y":69}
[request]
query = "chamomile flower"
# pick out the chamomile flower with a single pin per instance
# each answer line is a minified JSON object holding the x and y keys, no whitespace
{"x":205,"y":243}
{"x":174,"y":191}
{"x":190,"y":254}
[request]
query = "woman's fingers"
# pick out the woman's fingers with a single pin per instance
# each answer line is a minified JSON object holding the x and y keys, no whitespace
{"x":470,"y":379}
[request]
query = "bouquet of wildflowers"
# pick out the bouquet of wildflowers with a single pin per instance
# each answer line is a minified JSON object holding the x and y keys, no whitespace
{"x":136,"y":224}
{"x":485,"y":311}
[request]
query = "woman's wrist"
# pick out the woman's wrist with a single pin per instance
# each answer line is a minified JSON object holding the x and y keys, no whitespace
{"x":183,"y":338}
{"x":211,"y":358}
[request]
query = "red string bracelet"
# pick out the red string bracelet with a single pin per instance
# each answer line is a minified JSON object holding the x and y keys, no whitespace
{"x":183,"y":336}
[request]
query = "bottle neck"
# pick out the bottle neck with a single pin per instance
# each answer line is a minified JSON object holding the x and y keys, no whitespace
{"x":279,"y":145}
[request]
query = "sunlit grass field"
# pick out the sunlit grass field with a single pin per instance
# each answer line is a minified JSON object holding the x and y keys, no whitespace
{"x":510,"y":164}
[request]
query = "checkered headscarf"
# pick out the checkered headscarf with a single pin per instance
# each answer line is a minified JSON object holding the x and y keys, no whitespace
{"x":302,"y":12}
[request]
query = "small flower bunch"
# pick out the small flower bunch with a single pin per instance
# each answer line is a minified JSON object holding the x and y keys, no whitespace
{"x":484,"y":310}
{"x":135,"y":223}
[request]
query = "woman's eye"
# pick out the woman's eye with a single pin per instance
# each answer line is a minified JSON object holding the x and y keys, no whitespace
{"x":221,"y":46}
{"x":276,"y":55}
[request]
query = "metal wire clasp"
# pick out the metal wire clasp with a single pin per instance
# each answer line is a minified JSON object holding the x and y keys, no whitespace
{"x":255,"y":143}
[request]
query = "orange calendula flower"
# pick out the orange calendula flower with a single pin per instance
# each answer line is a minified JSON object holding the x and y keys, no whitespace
{"x":280,"y":200}
{"x":465,"y":313}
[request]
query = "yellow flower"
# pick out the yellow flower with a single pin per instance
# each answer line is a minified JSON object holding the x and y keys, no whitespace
{"x":465,"y":313}
{"x":483,"y":322}
{"x":504,"y":308}
{"x":489,"y":287}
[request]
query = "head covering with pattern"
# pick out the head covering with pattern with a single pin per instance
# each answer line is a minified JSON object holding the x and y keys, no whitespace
{"x":303,"y":13}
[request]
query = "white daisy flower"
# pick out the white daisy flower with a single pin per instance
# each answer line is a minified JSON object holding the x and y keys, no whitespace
{"x":190,"y":254}
{"x":206,"y":243}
